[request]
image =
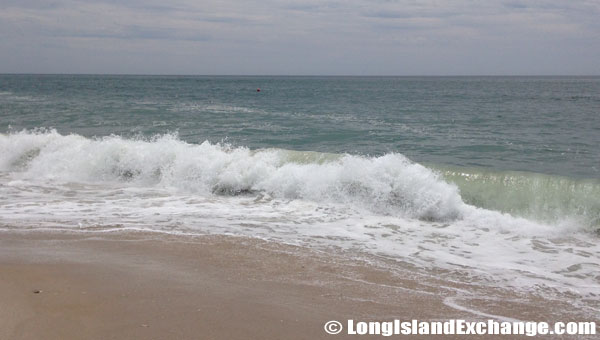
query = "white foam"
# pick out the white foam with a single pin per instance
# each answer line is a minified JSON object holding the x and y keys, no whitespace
{"x":390,"y":184}
{"x":388,"y":206}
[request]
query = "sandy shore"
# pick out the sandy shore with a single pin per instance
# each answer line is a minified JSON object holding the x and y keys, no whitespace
{"x":155,"y":286}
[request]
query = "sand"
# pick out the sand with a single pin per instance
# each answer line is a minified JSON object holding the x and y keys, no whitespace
{"x":157,"y":286}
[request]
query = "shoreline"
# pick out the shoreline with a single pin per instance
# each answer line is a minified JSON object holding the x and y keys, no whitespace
{"x":148,"y":285}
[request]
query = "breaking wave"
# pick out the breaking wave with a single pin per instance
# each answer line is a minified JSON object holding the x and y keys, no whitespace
{"x":390,"y":184}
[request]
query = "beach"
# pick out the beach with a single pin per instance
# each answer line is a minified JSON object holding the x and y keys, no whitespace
{"x":299,"y":169}
{"x":156,"y":286}
{"x":196,"y":207}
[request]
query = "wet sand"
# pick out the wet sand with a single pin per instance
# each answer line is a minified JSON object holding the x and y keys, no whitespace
{"x":156,"y":286}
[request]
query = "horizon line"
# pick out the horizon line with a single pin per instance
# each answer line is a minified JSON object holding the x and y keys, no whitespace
{"x":294,"y":75}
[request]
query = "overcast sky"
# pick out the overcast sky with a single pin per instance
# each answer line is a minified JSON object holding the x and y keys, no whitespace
{"x":345,"y":37}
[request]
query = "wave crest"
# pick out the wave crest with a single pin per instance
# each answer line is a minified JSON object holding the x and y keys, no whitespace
{"x":390,"y":184}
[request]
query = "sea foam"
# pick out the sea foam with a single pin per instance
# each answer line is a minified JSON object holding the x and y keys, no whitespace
{"x":386,"y":206}
{"x":390,"y":184}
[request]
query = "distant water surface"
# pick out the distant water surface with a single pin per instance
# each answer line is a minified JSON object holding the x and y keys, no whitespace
{"x":539,"y":124}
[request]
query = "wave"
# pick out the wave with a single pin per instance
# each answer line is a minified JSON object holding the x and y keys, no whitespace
{"x":545,"y":198}
{"x":390,"y":184}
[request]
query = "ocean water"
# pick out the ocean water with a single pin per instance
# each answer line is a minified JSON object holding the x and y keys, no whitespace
{"x":494,"y":179}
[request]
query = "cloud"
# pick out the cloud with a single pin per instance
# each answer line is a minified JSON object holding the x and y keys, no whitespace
{"x":312,"y":36}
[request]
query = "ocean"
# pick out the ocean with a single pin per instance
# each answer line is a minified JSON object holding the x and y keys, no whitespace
{"x":493,"y":181}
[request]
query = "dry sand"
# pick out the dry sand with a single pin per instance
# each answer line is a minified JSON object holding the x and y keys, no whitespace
{"x":156,"y":286}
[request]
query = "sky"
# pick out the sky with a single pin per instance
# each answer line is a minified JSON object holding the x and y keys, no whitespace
{"x":310,"y":37}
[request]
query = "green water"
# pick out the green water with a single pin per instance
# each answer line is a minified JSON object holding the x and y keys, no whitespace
{"x":537,"y":124}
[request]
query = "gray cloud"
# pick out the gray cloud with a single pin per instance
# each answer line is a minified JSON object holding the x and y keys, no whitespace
{"x":300,"y":37}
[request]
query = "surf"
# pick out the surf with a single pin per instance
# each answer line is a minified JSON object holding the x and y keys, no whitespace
{"x":546,"y":198}
{"x":390,"y":184}
{"x":464,"y":221}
